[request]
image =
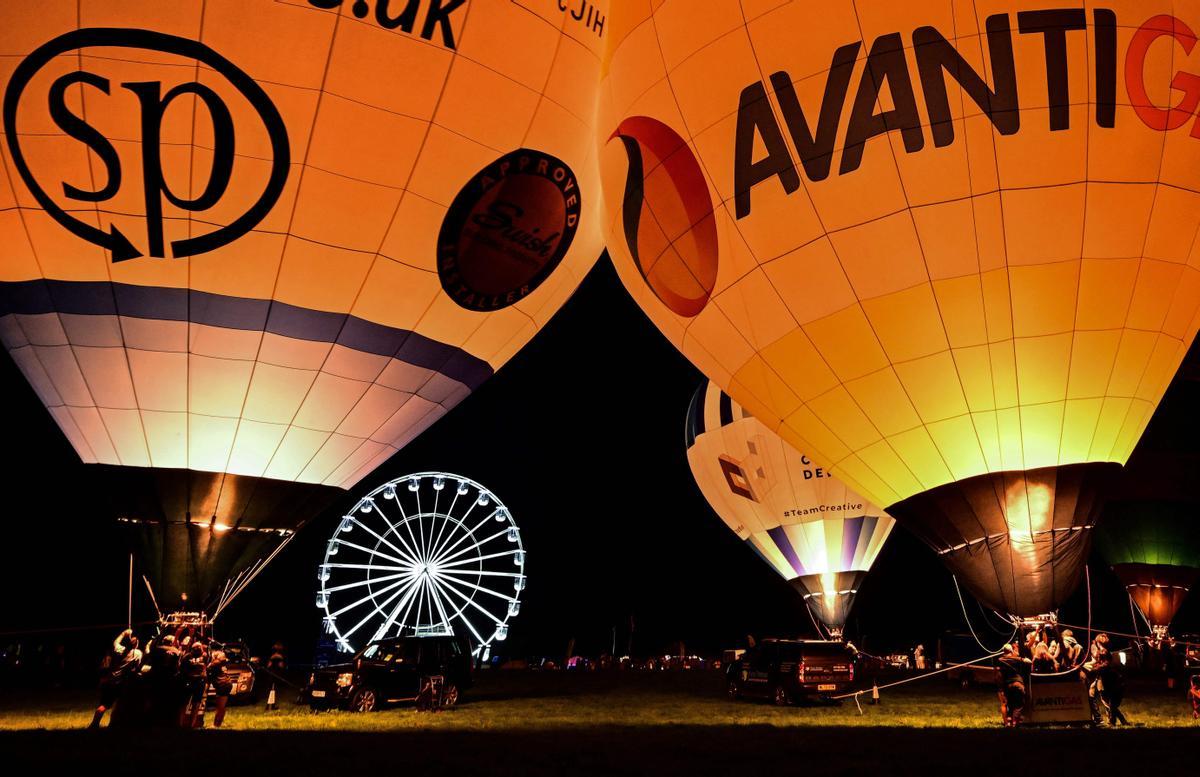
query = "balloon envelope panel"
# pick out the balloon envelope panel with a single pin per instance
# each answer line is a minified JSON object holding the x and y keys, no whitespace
{"x":809,"y":527}
{"x":953,"y":241}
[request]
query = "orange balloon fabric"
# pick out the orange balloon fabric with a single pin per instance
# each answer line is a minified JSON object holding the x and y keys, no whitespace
{"x":251,"y":248}
{"x":280,"y":239}
{"x":952,"y":239}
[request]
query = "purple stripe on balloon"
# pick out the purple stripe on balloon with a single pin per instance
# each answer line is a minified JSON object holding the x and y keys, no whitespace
{"x":851,"y":530}
{"x":779,"y":535}
{"x":169,"y":304}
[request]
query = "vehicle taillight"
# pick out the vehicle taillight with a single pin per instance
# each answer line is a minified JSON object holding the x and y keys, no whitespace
{"x":800,"y":672}
{"x":851,"y":672}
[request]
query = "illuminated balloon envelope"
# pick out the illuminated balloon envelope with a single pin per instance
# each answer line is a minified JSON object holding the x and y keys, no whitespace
{"x":944,"y":249}
{"x":811,"y":529}
{"x":252,"y":249}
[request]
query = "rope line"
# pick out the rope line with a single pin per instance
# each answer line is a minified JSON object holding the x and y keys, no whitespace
{"x":962,"y":604}
{"x":914,"y":678}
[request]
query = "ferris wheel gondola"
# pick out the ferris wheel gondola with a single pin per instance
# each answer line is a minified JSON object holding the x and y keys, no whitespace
{"x":428,"y":553}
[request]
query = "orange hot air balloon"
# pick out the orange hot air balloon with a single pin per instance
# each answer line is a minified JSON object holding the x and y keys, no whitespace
{"x":945,"y":248}
{"x":251,"y":249}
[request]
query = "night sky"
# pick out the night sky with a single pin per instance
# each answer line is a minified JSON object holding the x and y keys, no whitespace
{"x":581,"y":435}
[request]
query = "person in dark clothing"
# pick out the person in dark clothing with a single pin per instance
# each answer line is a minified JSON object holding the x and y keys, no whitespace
{"x":1014,"y":680}
{"x":1098,"y":660}
{"x":1112,"y":685}
{"x":276,"y":665}
{"x":112,"y":669}
{"x":192,"y":671}
{"x":131,"y":694}
{"x":165,"y":687}
{"x":222,"y":684}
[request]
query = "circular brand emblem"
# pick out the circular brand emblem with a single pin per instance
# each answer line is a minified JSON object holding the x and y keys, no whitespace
{"x":104,"y":83}
{"x":507,"y":230}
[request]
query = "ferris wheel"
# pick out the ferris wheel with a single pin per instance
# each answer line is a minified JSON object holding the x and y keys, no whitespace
{"x":429,"y":553}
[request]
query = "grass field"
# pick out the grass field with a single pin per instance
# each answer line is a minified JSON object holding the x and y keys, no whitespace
{"x":553,"y":723}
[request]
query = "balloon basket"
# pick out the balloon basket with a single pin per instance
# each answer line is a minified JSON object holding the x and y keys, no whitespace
{"x":197,"y":622}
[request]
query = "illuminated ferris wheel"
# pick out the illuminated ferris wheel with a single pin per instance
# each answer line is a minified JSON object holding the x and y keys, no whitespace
{"x":430,"y":553}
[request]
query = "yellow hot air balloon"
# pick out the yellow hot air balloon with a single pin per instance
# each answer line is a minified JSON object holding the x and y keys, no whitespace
{"x":810,"y":528}
{"x":251,"y":248}
{"x":945,"y":248}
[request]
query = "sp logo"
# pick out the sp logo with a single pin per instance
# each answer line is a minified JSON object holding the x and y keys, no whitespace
{"x":152,"y":100}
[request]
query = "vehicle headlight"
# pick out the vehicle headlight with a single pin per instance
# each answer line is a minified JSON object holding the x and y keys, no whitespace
{"x":344,"y":679}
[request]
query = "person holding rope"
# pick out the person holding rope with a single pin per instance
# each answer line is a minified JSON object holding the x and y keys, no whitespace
{"x":1112,"y":690}
{"x":166,"y":694}
{"x":222,"y":685}
{"x":1014,"y":679}
{"x":192,"y":671}
{"x":1098,"y":659}
{"x":113,"y":669}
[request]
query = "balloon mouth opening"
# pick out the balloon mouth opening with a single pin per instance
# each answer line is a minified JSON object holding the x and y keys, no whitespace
{"x":1017,"y":540}
{"x":829,"y":597}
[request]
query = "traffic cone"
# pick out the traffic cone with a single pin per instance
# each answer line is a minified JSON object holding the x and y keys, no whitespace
{"x":875,"y":692}
{"x":271,"y":705}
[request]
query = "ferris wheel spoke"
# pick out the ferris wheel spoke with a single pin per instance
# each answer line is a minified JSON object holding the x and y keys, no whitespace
{"x":450,"y":514}
{"x":370,"y":552}
{"x":424,"y":603}
{"x":368,"y":581}
{"x":461,"y":616}
{"x":459,"y":529}
{"x":403,"y":594}
{"x":470,"y":600}
{"x":470,"y":532}
{"x":484,"y":572}
{"x":501,"y":554}
{"x":377,"y":609}
{"x":435,"y":542}
{"x":421,"y":526}
{"x":383,"y":567}
{"x":404,"y":604}
{"x":437,"y":600}
{"x":496,"y":594}
{"x":468,"y":549}
{"x":369,"y":597}
{"x":410,"y":555}
{"x":406,"y":523}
